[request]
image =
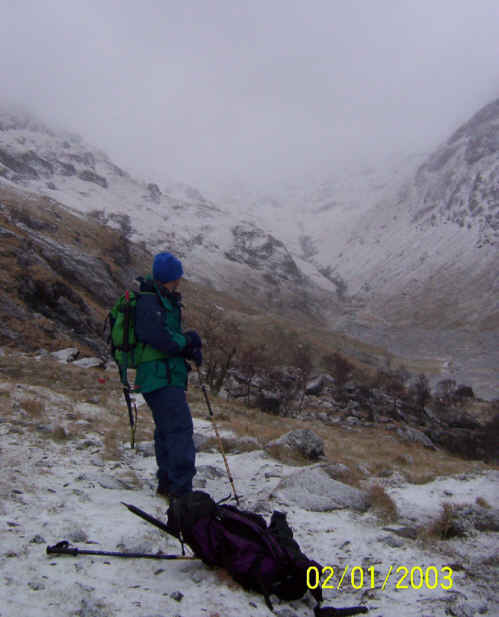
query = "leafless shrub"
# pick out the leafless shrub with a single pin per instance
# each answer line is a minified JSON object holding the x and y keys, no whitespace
{"x":445,"y":390}
{"x":420,"y":391}
{"x":490,"y":439}
{"x":392,"y":382}
{"x":222,"y":339}
{"x":302,"y":362}
{"x":339,"y":367}
{"x":251,"y":361}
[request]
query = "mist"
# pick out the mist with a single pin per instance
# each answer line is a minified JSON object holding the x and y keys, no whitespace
{"x":202,"y":92}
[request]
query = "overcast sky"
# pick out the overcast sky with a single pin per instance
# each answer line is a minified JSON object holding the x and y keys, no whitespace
{"x":201,"y":90}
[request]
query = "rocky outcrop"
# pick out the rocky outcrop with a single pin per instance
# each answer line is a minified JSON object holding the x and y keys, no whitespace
{"x":460,"y":181}
{"x":303,"y":441}
{"x":260,"y":250}
{"x":313,"y":489}
{"x":154,"y":193}
{"x":90,"y":176}
{"x":17,"y":166}
{"x":62,"y":275}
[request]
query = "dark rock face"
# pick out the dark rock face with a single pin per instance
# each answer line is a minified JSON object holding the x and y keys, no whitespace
{"x":18,"y":166}
{"x":260,"y":250}
{"x":64,"y":169}
{"x":43,"y":167}
{"x":55,"y":299}
{"x":154,"y":193}
{"x":87,"y":159}
{"x":88,"y":272}
{"x":57,"y":291}
{"x":91,"y":176}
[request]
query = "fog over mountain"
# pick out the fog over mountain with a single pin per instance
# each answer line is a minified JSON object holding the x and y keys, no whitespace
{"x":349,"y":148}
{"x":261,"y":92}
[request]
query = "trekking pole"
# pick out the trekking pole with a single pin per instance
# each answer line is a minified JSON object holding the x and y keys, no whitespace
{"x":64,"y":548}
{"x":132,"y":415}
{"x":220,"y":445}
{"x":126,"y":348}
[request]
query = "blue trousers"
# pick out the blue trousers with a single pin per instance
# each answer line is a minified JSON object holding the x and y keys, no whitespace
{"x":173,"y":439}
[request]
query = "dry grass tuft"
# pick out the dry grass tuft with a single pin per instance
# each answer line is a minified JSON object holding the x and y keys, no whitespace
{"x":231,"y":445}
{"x":483,"y":503}
{"x":35,"y":408}
{"x":445,"y":526}
{"x":384,"y":506}
{"x":59,"y":434}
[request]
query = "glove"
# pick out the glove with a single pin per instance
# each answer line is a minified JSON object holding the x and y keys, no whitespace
{"x":193,"y":353}
{"x":193,"y":339}
{"x":197,"y":356}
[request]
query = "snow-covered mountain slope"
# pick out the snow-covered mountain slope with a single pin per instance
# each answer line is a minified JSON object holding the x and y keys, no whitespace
{"x":312,"y":212}
{"x":218,"y":245}
{"x":408,"y":264}
{"x":410,"y":245}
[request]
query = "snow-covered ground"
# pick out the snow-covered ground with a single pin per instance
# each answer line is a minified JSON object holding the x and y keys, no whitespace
{"x":53,"y":491}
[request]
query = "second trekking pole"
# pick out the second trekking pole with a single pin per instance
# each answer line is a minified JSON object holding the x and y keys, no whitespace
{"x":219,"y":439}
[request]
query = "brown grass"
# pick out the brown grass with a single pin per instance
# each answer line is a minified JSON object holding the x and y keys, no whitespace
{"x":35,"y":408}
{"x":483,"y":503}
{"x":443,"y":527}
{"x":382,"y":504}
{"x":352,"y":446}
{"x":60,"y":434}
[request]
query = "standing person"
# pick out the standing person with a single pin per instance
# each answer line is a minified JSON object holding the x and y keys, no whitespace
{"x":163,"y":381}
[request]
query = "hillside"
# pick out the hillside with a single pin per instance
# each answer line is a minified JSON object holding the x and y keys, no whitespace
{"x":221,"y":247}
{"x":409,"y":270}
{"x":408,"y":502}
{"x":67,"y":466}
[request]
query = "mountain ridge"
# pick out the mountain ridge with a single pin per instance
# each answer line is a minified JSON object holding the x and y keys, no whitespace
{"x":414,"y":260}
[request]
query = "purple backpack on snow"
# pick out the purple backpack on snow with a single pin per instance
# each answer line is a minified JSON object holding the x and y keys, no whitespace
{"x":260,"y":558}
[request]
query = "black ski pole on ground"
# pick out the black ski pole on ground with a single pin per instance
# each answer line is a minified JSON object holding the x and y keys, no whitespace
{"x":150,"y":519}
{"x":220,"y":444}
{"x":64,"y":548}
{"x":156,"y":522}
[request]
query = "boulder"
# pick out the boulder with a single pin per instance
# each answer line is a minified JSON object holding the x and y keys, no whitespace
{"x":88,"y":362}
{"x":66,"y":355}
{"x":312,"y":488}
{"x":481,"y":518}
{"x":146,"y":448}
{"x":201,"y":441}
{"x":315,"y":386}
{"x":304,"y":441}
{"x":411,"y":434}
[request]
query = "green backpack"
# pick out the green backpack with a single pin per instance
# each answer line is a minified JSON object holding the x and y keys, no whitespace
{"x":125,"y":349}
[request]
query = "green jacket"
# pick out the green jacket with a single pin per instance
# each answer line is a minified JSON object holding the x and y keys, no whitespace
{"x":158,"y":324}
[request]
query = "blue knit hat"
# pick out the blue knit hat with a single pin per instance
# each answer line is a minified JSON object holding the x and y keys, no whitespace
{"x":166,"y":268}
